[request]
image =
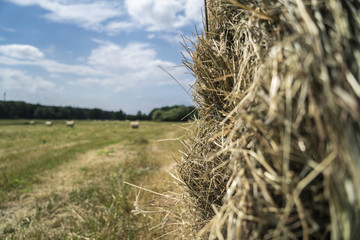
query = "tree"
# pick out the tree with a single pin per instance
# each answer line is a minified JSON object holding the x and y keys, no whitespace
{"x":39,"y":113}
{"x":80,"y":113}
{"x":157,"y":115}
{"x":120,"y":115}
{"x":49,"y":112}
{"x":95,"y":113}
{"x":175,"y":113}
{"x":63,"y":113}
{"x":3,"y":110}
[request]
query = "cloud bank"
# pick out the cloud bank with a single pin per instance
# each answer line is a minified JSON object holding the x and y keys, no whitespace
{"x":164,"y":15}
{"x":109,"y":64}
{"x":87,"y":14}
{"x":21,"y":51}
{"x":12,"y":79}
{"x":112,"y":16}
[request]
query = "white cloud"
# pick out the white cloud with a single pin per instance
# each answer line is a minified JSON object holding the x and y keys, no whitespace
{"x":118,"y":26}
{"x":27,"y":55}
{"x":134,"y":56}
{"x":54,"y":75}
{"x":87,"y":14}
{"x":135,"y":63}
{"x":108,"y":65}
{"x":123,"y":67}
{"x":21,"y":51}
{"x":56,"y":67}
{"x":81,"y":59}
{"x":50,"y":49}
{"x":164,"y":15}
{"x":91,"y":81}
{"x":12,"y":79}
{"x":7,"y":29}
{"x":119,"y":89}
{"x":193,"y":10}
{"x":110,"y":16}
{"x":172,"y":38}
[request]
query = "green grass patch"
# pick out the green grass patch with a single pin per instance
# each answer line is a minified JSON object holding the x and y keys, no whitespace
{"x":141,"y":140}
{"x":100,"y":207}
{"x":27,"y":151}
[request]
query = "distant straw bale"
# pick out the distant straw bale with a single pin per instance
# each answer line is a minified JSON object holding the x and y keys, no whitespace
{"x":134,"y":124}
{"x":275,"y":153}
{"x":48,"y":123}
{"x":32,"y":122}
{"x":70,"y":123}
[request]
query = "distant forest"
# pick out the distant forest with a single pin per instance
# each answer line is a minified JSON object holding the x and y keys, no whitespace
{"x":23,"y":110}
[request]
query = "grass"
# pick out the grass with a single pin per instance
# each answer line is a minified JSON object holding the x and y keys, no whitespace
{"x":91,"y":201}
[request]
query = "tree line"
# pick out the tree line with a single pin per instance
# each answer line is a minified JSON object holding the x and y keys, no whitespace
{"x":23,"y":110}
{"x":174,"y":113}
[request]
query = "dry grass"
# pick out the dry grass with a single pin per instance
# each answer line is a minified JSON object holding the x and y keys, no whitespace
{"x":275,"y":153}
{"x":83,"y":195}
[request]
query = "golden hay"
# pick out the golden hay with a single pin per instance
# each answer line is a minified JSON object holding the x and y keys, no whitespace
{"x":275,"y":153}
{"x":134,"y":124}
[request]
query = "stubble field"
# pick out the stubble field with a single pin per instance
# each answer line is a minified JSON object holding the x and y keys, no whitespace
{"x":69,"y":183}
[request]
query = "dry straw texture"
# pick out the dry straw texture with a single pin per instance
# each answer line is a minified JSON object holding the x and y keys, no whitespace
{"x":275,"y":153}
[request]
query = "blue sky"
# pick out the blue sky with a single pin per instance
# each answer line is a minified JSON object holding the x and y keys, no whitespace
{"x":96,"y":53}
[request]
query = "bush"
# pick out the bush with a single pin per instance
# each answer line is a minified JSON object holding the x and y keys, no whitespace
{"x":173,"y":114}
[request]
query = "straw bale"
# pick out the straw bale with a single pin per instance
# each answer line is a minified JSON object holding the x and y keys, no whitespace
{"x":70,"y":123}
{"x":134,"y":124}
{"x":275,"y":153}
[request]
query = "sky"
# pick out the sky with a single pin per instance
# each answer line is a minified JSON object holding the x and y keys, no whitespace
{"x":97,"y":53}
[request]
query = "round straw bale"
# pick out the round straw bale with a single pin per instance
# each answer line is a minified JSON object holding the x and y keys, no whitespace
{"x":70,"y":123}
{"x":134,"y":124}
{"x":275,"y":153}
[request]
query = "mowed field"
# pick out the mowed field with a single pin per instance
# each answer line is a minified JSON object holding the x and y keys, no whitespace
{"x":69,"y":183}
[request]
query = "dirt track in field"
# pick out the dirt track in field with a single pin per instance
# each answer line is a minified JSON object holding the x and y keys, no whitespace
{"x":86,"y":169}
{"x":31,"y":210}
